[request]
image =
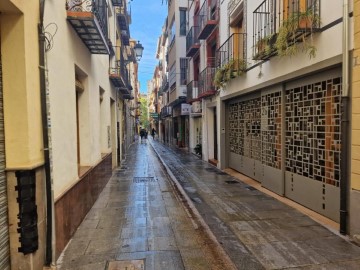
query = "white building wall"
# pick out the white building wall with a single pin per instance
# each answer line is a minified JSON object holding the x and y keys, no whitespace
{"x":68,"y":52}
{"x":279,"y":69}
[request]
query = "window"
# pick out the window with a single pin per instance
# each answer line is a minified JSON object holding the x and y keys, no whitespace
{"x":183,"y":70}
{"x":172,"y":75}
{"x":182,"y":22}
{"x":172,"y":32}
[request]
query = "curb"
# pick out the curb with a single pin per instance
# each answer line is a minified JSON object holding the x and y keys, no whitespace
{"x":197,"y":215}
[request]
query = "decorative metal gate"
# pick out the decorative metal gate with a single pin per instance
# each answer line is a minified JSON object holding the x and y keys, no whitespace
{"x":4,"y":232}
{"x":313,"y":144}
{"x":289,"y":140}
{"x":245,"y":136}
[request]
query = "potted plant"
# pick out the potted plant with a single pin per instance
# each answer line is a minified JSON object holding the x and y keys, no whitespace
{"x":265,"y":46}
{"x":230,"y":70}
{"x":295,"y":30}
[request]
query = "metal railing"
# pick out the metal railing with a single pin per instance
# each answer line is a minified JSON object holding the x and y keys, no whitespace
{"x":192,"y":91}
{"x":97,"y":7}
{"x":192,"y":37}
{"x":209,"y":11}
{"x":234,"y":48}
{"x":165,"y":111}
{"x":206,"y":78}
{"x":165,"y":83}
{"x":270,"y":15}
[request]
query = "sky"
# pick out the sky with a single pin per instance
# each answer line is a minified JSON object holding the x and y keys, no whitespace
{"x":147,"y":19}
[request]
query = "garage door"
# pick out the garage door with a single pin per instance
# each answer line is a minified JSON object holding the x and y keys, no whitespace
{"x":288,"y":138}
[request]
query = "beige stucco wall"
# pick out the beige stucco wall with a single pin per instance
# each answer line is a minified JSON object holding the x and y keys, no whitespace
{"x":19,"y":46}
{"x":355,"y":147}
{"x":68,"y":54}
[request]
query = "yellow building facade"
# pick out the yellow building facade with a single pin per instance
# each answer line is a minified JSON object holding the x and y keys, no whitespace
{"x":22,"y":240}
{"x":355,"y":136}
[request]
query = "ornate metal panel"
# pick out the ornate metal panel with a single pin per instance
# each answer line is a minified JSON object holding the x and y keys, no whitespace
{"x":244,"y":128}
{"x":271,"y":119}
{"x":313,"y":131}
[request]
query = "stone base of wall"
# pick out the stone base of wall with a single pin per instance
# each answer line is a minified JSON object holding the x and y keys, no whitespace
{"x":72,"y":207}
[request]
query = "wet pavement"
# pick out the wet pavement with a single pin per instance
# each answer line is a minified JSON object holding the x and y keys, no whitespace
{"x":256,"y":230}
{"x":141,"y":221}
{"x":183,"y":213}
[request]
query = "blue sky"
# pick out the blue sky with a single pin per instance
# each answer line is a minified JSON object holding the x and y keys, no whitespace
{"x":148,"y":17}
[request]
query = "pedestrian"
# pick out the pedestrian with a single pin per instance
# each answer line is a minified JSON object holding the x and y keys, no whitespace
{"x":142,"y":134}
{"x":153,"y":133}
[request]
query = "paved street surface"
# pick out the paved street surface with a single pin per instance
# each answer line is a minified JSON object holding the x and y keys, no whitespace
{"x":141,"y":220}
{"x":142,"y":216}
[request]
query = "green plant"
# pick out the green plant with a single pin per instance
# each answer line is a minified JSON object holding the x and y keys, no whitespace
{"x":295,"y":29}
{"x":265,"y":46}
{"x":230,"y":70}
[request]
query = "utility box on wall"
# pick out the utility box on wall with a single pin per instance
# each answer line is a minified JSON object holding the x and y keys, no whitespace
{"x":27,"y":226}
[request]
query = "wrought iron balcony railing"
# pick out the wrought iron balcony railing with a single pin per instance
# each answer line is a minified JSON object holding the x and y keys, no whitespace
{"x":301,"y":16}
{"x":120,"y":77}
{"x":208,"y":18}
{"x":89,"y":18}
{"x":192,"y":41}
{"x":233,"y":49}
{"x":117,"y":3}
{"x":206,"y":85}
{"x":123,"y":19}
{"x":165,"y":84}
{"x":192,"y":92}
{"x":166,"y":111}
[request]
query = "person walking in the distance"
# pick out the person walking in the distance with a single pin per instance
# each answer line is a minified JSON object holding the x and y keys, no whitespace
{"x":153,"y":133}
{"x":143,"y":134}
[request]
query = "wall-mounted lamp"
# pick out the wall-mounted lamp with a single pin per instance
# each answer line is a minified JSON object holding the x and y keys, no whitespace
{"x":138,"y":50}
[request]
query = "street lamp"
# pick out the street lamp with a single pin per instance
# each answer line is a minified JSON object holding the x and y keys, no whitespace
{"x":138,"y":50}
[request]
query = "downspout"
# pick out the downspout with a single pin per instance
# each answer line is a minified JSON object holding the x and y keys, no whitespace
{"x":50,"y":253}
{"x":344,"y":181}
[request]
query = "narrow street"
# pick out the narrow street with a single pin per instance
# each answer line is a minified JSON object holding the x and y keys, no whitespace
{"x":140,"y":216}
{"x":148,"y":219}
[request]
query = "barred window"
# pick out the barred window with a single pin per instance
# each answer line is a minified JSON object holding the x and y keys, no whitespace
{"x":183,"y":70}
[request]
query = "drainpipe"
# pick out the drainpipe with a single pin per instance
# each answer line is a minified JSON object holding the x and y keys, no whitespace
{"x":50,"y":216}
{"x":344,"y":181}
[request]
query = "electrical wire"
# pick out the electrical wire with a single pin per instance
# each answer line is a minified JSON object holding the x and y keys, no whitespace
{"x":49,"y":35}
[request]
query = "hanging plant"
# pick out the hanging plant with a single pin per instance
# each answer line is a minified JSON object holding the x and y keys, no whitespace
{"x":231,"y":70}
{"x":292,"y":35}
{"x":265,"y":47}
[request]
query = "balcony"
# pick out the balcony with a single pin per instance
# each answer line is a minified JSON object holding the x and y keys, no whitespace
{"x":192,"y":42}
{"x":206,"y":79}
{"x":230,"y":59}
{"x":123,"y":22}
{"x":166,"y":111}
{"x":208,"y":18}
{"x":119,"y":77}
{"x":192,"y":92}
{"x":165,"y":84}
{"x":301,"y":18}
{"x":117,"y":3}
{"x":89,"y":20}
{"x":115,"y":77}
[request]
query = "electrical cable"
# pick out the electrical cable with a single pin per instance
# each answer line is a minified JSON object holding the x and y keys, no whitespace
{"x":49,"y":36}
